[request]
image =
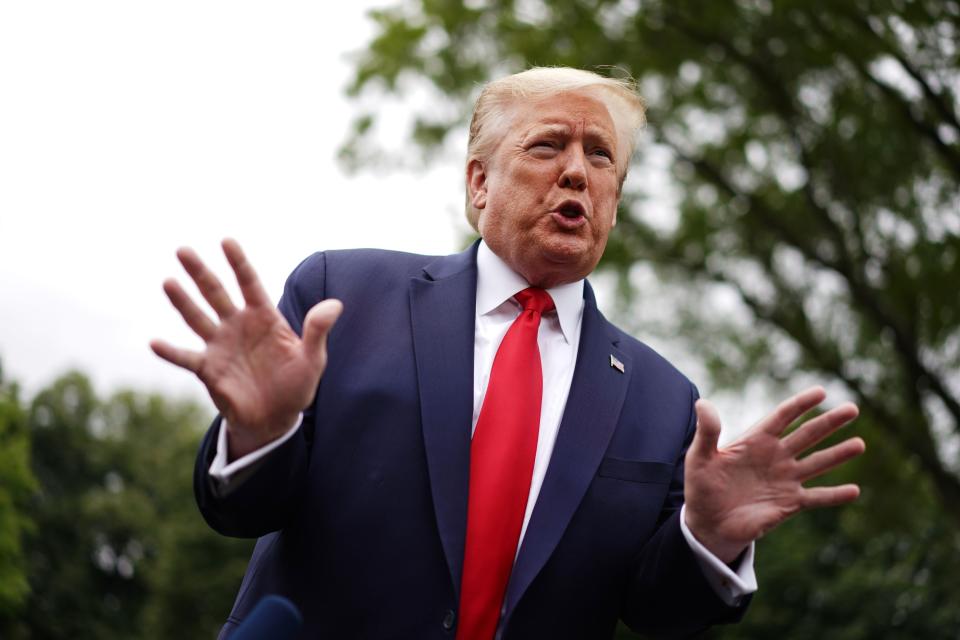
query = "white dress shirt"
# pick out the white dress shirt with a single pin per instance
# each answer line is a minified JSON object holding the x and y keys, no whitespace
{"x":559,"y":340}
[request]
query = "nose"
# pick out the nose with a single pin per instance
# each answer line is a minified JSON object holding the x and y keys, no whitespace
{"x":574,"y":173}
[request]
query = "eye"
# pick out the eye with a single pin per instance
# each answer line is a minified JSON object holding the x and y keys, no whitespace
{"x":603,"y":153}
{"x":544,"y":147}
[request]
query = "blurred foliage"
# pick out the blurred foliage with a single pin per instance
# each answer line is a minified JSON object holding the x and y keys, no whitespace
{"x":808,"y":152}
{"x":17,"y":484}
{"x":117,"y":548}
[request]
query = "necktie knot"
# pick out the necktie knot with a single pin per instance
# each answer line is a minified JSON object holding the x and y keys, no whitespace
{"x":535,"y":299}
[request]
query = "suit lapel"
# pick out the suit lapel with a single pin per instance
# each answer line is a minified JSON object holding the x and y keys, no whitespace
{"x":442,"y":308}
{"x":589,"y":419}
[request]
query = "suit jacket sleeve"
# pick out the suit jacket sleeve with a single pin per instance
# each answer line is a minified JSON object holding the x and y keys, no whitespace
{"x":667,"y":577}
{"x":269,"y":498}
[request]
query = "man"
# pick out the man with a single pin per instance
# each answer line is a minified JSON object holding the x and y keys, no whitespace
{"x":486,"y":455}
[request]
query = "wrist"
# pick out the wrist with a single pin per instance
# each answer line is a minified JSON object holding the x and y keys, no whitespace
{"x":243,"y":440}
{"x":725,"y":550}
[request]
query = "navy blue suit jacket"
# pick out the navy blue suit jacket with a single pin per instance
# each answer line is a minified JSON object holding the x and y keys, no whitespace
{"x":362,"y":514}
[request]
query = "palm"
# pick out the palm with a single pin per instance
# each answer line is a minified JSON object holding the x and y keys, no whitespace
{"x":258,"y":372}
{"x":255,"y":368}
{"x":738,"y":493}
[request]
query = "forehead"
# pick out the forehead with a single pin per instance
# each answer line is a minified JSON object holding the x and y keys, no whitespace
{"x":569,"y":110}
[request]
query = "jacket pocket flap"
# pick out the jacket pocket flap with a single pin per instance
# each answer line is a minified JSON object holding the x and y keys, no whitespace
{"x":636,"y":470}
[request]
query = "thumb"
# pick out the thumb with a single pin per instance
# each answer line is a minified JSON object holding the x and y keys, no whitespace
{"x":708,"y":430}
{"x":316,"y":327}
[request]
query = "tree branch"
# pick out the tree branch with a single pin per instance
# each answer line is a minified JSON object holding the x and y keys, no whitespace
{"x":862,"y":293}
{"x":950,"y":155}
{"x":848,"y":268}
{"x":936,"y":100}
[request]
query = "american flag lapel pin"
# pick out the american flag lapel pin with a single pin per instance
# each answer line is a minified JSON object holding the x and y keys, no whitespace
{"x":616,"y":364}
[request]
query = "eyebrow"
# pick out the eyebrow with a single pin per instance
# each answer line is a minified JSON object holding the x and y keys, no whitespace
{"x":556,"y":128}
{"x":547,"y":128}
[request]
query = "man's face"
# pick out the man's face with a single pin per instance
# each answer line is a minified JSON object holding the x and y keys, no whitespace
{"x":548,"y":194}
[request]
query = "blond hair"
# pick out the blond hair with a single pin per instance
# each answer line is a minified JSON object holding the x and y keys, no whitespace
{"x":491,"y":114}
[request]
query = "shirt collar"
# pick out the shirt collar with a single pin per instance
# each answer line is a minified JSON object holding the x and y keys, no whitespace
{"x":497,"y":283}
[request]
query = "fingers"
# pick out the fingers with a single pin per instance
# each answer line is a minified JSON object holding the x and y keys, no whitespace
{"x":184,"y":358}
{"x":816,"y":497}
{"x":317,"y":325}
{"x":708,"y":430}
{"x":195,"y":318}
{"x":820,"y":462}
{"x":253,"y":292}
{"x":815,"y":430}
{"x":791,"y":409}
{"x":213,"y":292}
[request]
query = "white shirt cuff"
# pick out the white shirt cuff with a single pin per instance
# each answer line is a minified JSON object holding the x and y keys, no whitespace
{"x":731,"y":586}
{"x":226,"y":476}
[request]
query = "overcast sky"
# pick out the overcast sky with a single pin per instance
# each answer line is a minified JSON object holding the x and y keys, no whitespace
{"x":128,"y":129}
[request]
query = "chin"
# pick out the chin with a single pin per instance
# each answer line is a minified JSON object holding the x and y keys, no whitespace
{"x":565,"y":250}
{"x":554,"y":268}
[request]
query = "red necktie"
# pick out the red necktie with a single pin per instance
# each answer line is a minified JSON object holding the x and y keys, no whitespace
{"x":501,"y":464}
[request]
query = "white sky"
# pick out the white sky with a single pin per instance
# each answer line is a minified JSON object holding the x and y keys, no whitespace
{"x":128,"y":129}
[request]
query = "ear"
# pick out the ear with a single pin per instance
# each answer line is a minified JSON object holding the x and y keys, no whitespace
{"x":477,"y":184}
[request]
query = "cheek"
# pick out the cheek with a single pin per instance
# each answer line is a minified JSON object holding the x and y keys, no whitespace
{"x":494,"y":218}
{"x":609,"y":204}
{"x":606,"y":221}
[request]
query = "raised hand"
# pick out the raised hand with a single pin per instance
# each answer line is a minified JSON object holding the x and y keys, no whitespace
{"x":259,"y":373}
{"x":736,"y":494}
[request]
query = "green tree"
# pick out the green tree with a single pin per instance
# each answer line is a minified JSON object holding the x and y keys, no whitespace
{"x":119,"y":549}
{"x":16,"y":486}
{"x":807,"y":152}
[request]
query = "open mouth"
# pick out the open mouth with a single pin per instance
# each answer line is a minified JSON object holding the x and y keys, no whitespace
{"x":571,"y":209}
